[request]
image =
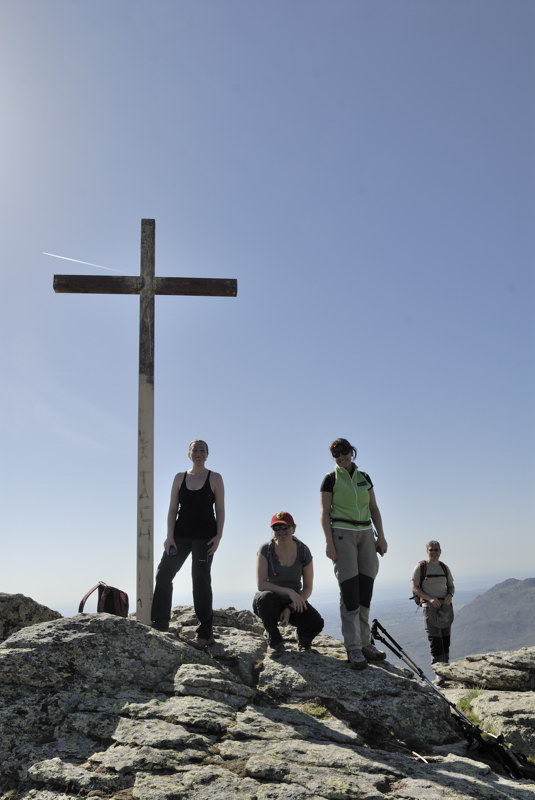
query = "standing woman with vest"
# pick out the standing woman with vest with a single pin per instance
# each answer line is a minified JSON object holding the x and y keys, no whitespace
{"x":192,"y":528}
{"x":284,"y":577}
{"x":353,"y":529}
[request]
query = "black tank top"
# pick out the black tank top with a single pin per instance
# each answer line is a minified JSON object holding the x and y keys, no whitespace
{"x":196,"y":518}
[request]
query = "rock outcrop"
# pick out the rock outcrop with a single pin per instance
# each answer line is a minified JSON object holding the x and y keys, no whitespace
{"x":509,"y":671}
{"x":499,"y":689}
{"x":101,"y":706}
{"x":18,"y":611}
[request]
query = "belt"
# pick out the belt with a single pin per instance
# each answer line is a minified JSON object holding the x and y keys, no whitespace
{"x":365,"y":524}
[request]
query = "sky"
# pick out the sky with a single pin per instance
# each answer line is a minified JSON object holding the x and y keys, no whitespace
{"x":365,"y":170}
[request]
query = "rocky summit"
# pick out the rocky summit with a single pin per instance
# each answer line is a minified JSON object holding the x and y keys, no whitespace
{"x":104,"y":707}
{"x":18,"y":611}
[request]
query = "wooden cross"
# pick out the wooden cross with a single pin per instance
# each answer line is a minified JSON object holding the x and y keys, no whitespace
{"x":146,"y":286}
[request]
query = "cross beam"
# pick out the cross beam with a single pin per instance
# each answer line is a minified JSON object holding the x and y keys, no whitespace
{"x":146,"y":285}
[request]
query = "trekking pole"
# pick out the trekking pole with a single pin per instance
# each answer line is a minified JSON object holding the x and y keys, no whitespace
{"x":515,"y":764}
{"x":378,"y":632}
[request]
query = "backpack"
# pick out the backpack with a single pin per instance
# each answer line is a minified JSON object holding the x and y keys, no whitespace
{"x":110,"y":600}
{"x":301,"y":555}
{"x":423,"y":573}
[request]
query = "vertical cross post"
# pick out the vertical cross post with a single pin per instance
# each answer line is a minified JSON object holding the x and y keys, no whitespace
{"x":145,"y":447}
{"x":147,"y":285}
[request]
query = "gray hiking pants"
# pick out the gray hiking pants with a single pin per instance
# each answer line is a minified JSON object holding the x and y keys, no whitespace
{"x":439,"y":639}
{"x":355,"y":568}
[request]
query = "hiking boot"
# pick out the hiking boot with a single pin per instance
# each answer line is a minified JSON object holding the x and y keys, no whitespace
{"x":371,"y":653}
{"x":356,"y":659}
{"x":160,"y":626}
{"x":203,"y":641}
{"x":304,"y":644}
{"x":276,"y":650}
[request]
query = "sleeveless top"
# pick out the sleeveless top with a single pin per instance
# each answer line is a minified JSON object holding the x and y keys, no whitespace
{"x":196,"y":518}
{"x":291,"y":576}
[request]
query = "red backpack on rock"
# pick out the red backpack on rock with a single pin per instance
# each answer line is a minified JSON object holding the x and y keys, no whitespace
{"x":110,"y":600}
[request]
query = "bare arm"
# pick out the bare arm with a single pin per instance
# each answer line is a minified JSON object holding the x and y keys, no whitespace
{"x":306,"y":591}
{"x":263,"y":583}
{"x":418,"y":591}
{"x":326,"y":499}
{"x":308,"y":581}
{"x":381,"y":544}
{"x":450,"y":586}
{"x":171,"y":514}
{"x":216,"y":482}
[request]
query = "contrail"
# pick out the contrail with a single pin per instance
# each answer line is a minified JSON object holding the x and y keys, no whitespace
{"x":77,"y":260}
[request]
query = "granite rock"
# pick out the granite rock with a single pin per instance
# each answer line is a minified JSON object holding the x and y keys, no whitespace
{"x":104,"y":707}
{"x":513,"y":670}
{"x":18,"y":611}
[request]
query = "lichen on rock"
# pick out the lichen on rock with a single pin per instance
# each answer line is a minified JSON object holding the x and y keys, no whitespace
{"x":97,"y":705}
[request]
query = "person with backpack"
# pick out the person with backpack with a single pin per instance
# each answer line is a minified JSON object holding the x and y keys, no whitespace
{"x":433,"y":588}
{"x":353,"y":529}
{"x":285,"y":577}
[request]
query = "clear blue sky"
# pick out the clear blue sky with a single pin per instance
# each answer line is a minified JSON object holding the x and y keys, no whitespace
{"x":365,"y":169}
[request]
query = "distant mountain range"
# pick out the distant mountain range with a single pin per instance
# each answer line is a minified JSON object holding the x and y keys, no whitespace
{"x":503,"y":618}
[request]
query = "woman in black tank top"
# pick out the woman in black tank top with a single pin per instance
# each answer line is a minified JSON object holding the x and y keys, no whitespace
{"x":194,"y":526}
{"x":196,"y":517}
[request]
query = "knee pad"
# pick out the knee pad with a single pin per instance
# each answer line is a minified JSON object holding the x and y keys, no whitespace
{"x":366,"y":590}
{"x":349,"y":591}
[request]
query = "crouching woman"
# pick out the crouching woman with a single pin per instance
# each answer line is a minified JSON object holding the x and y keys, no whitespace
{"x":285,"y":577}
